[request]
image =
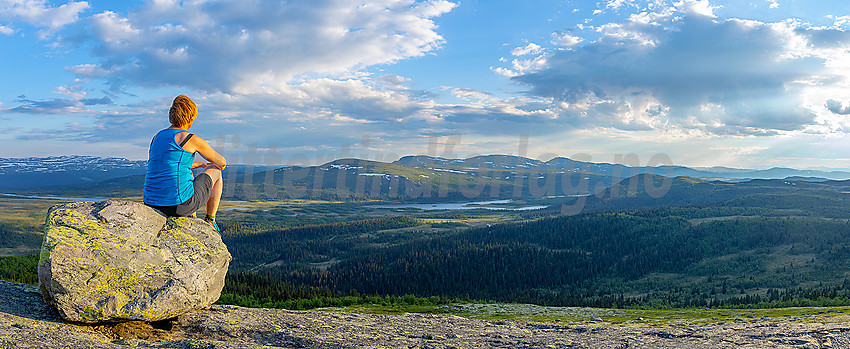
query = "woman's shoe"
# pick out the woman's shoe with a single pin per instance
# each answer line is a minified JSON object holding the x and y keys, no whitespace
{"x":211,"y":221}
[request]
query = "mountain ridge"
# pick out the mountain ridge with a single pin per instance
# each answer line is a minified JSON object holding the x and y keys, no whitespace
{"x":412,"y":176}
{"x":21,"y":173}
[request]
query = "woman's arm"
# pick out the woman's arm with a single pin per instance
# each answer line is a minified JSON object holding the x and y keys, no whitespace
{"x":198,"y":144}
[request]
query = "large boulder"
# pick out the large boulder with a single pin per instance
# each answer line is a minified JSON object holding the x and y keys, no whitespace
{"x":121,"y":260}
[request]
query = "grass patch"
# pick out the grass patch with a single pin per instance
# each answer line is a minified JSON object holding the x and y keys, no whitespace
{"x":611,"y":317}
{"x":22,"y":224}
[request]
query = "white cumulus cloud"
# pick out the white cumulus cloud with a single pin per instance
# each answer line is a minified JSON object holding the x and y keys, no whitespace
{"x":248,"y":47}
{"x":41,"y":14}
{"x":564,"y":39}
{"x":530,"y":49}
{"x":698,"y":7}
{"x":617,"y":4}
{"x":681,"y":68}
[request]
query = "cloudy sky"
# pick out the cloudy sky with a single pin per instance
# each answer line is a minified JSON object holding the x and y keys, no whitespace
{"x":753,"y":84}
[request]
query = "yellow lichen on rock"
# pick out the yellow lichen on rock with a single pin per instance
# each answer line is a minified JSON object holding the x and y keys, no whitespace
{"x":119,"y":260}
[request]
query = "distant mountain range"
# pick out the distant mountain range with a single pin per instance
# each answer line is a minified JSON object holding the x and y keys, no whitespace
{"x":23,"y":173}
{"x":498,"y":173}
{"x":561,"y":163}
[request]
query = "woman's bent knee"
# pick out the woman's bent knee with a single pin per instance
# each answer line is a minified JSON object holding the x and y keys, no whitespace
{"x":214,"y":172}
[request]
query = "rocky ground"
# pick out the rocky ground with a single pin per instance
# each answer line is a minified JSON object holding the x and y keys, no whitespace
{"x":26,"y":322}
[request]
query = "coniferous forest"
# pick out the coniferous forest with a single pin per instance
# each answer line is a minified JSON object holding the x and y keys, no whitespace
{"x":603,"y":259}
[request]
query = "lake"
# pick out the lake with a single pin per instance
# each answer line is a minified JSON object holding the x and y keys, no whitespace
{"x":461,"y":206}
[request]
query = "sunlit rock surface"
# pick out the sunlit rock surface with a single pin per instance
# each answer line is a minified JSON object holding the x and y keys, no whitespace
{"x":121,"y":260}
{"x":26,"y":322}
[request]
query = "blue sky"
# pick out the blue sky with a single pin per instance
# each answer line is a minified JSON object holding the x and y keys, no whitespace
{"x":753,"y":84}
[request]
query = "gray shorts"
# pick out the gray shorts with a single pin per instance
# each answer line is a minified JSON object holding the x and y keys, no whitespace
{"x":202,"y":184}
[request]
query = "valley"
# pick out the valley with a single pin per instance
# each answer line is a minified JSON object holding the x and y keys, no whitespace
{"x":700,"y":244}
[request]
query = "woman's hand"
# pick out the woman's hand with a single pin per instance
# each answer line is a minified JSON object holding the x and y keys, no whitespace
{"x":199,"y":164}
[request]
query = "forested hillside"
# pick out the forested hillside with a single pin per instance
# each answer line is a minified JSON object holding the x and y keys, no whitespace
{"x":639,"y":258}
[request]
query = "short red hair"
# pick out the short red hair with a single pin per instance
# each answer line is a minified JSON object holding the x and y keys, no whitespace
{"x":183,"y":111}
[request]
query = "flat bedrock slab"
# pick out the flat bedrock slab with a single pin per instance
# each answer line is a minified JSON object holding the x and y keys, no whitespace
{"x":26,"y":322}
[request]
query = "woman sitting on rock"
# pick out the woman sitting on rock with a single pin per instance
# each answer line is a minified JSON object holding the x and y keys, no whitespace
{"x":169,"y":186}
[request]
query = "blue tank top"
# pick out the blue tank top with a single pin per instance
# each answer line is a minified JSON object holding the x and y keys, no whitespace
{"x":168,"y":180}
